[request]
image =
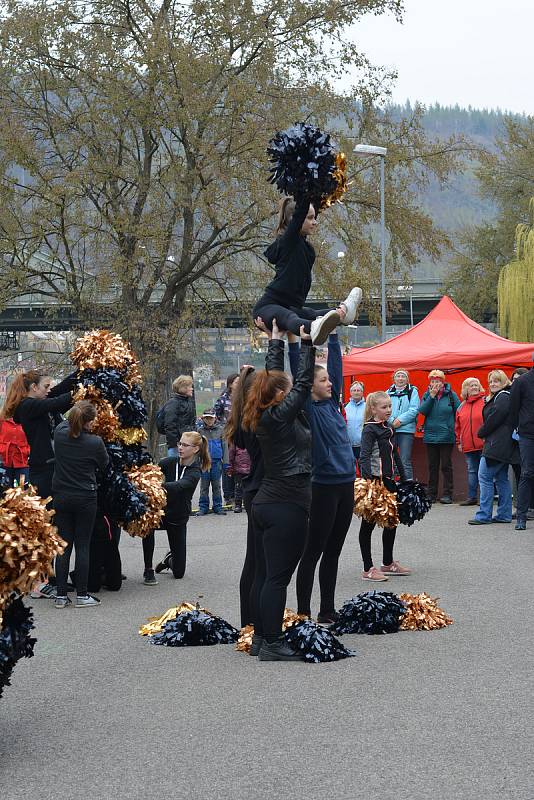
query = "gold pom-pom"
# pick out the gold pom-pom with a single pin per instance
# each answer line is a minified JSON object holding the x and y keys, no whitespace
{"x":99,"y":349}
{"x":375,"y":503}
{"x":28,"y":541}
{"x":423,"y":613}
{"x":131,"y":435}
{"x":148,"y":478}
{"x":155,"y":624}
{"x":107,"y":422}
{"x":340,"y":177}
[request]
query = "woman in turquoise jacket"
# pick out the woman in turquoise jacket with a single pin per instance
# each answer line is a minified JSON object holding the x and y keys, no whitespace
{"x":439,"y":406}
{"x":354,"y":414}
{"x":404,"y":411}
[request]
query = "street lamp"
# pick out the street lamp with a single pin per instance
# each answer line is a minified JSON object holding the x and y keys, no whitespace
{"x":381,"y":152}
{"x":408,"y":289}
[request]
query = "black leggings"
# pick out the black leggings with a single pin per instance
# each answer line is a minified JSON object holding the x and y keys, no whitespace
{"x":247,"y":574}
{"x":177,"y":536}
{"x":281,"y":530}
{"x":75,"y":519}
{"x":388,"y":540}
{"x":287,"y":319}
{"x":330,"y":518}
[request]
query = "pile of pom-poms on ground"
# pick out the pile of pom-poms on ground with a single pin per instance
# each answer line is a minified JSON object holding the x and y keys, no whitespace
{"x":188,"y":625}
{"x":404,"y":503}
{"x":316,"y":644}
{"x":109,"y":377}
{"x":384,"y":612}
{"x":15,"y":640}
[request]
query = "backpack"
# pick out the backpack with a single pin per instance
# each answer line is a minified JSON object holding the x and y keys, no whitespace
{"x":160,"y":419}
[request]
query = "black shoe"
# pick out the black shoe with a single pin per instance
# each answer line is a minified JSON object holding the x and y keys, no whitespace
{"x":446,"y":500}
{"x":327,"y":619}
{"x":278,"y":650}
{"x":471,"y":501}
{"x":165,"y":564}
{"x":255,"y":647}
{"x":149,"y":578}
{"x":220,"y":512}
{"x":521,"y":525}
{"x":479,"y":522}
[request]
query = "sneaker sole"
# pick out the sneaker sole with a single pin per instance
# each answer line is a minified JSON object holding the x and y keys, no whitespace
{"x":375,"y":580}
{"x":329,"y":323}
{"x":86,"y":605}
{"x":397,"y":574}
{"x":150,"y":583}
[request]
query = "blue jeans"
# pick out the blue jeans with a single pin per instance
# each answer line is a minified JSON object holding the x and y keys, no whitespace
{"x":404,"y":442}
{"x":15,"y":474}
{"x":487,"y":475}
{"x":172,"y":452}
{"x":526,"y":482}
{"x":473,"y":463}
{"x":211,"y":477}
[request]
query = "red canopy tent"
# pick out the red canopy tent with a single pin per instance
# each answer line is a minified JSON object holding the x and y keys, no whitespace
{"x":446,"y":339}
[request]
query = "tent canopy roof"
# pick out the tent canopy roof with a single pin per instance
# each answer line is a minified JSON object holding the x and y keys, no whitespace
{"x":445,"y":339}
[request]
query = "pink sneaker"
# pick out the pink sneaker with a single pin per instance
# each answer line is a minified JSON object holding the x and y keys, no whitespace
{"x":373,"y":574}
{"x":395,"y":569}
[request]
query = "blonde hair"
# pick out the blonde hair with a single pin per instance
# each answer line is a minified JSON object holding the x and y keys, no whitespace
{"x":465,"y":386}
{"x":357,"y":383}
{"x":501,"y":376}
{"x":181,"y":382}
{"x":436,"y":373}
{"x":195,"y":438}
{"x":371,"y":403}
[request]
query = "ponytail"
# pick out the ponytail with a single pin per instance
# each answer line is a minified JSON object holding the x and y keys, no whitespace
{"x":247,"y":376}
{"x":262,"y":395}
{"x":18,"y":391}
{"x":286,"y":210}
{"x":201,"y":442}
{"x":81,"y":413}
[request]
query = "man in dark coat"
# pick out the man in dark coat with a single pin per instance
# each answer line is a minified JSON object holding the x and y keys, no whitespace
{"x":179,"y":412}
{"x":522,"y":418}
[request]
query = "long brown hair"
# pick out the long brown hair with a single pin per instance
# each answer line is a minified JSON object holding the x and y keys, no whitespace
{"x":81,"y":413}
{"x":246,"y":379}
{"x":19,"y":390}
{"x":286,"y":209}
{"x":262,"y":395}
{"x":201,"y":442}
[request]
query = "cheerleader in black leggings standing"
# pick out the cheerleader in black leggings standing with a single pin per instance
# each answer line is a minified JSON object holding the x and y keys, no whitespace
{"x":273,"y":410}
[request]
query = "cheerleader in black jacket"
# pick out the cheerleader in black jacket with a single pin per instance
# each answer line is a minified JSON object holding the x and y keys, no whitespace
{"x":378,"y":457}
{"x":181,"y":478}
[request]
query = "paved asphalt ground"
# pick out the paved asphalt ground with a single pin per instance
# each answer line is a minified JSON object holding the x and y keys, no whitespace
{"x":100,"y":713}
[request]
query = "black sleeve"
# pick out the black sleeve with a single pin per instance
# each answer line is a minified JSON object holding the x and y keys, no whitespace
{"x":274,"y":360}
{"x":34,"y":408}
{"x":171,"y":424}
{"x":499,"y":415}
{"x":294,"y":402}
{"x":366,"y":448}
{"x":185,"y":485}
{"x":515,"y":402}
{"x":101,"y":454}
{"x":68,"y":384}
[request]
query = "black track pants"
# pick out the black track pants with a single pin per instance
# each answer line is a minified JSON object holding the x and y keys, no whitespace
{"x":177,"y":536}
{"x":75,"y":518}
{"x":388,"y":540}
{"x":247,"y":573}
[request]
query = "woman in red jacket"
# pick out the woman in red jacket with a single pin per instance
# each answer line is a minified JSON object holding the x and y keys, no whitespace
{"x":468,"y":421}
{"x":14,"y":451}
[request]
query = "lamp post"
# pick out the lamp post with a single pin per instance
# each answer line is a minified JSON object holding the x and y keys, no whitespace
{"x":381,"y":152}
{"x":410,"y":290}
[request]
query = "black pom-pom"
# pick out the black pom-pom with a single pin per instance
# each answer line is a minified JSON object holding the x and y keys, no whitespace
{"x":316,"y":644}
{"x":412,"y":502}
{"x":123,"y":456}
{"x":195,"y":629}
{"x":304,"y":162}
{"x":370,"y":612}
{"x":5,"y":482}
{"x":121,"y":500}
{"x":127,"y":401}
{"x":15,"y":639}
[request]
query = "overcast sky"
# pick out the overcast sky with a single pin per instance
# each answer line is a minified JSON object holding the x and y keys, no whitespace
{"x":470,"y":52}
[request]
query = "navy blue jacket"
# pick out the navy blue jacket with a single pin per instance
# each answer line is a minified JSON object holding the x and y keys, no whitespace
{"x":332,"y":454}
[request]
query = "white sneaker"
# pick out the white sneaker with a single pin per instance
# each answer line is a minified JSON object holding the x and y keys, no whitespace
{"x":323,"y":326}
{"x":351,"y":304}
{"x":88,"y":600}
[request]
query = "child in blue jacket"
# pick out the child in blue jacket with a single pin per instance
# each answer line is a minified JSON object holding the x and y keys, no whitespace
{"x":210,"y":427}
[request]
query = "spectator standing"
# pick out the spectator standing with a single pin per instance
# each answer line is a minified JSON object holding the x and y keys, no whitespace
{"x":354,"y":411}
{"x":179,"y":413}
{"x":499,"y":451}
{"x":522,"y":418}
{"x":80,"y":454}
{"x":238,"y":469}
{"x":213,"y":430}
{"x":468,"y":421}
{"x":223,"y":409}
{"x":438,"y":406}
{"x":404,"y":411}
{"x":14,"y":451}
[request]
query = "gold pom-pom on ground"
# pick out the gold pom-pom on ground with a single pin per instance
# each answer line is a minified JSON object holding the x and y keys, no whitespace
{"x":375,"y":503}
{"x":155,"y":624}
{"x":148,"y":478}
{"x":340,"y":177}
{"x":245,"y":634}
{"x":28,"y":542}
{"x":99,"y":349}
{"x":423,"y":613}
